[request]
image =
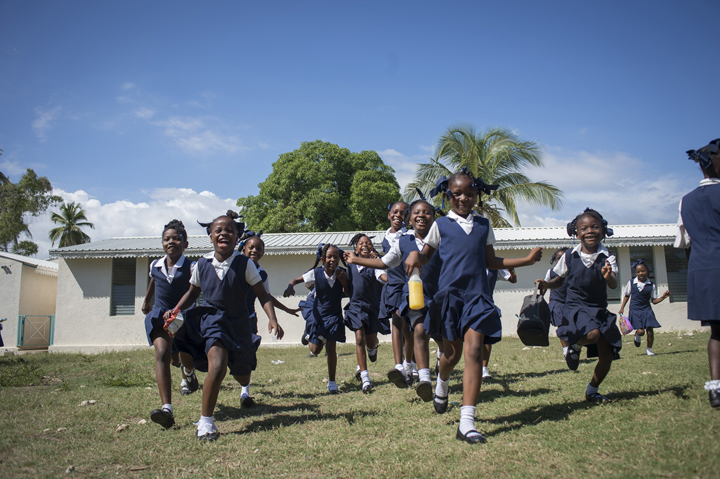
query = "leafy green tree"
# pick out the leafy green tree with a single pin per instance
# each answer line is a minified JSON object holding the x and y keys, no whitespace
{"x":30,"y":196}
{"x":71,"y":219}
{"x":322,"y":187}
{"x":498,"y":157}
{"x":25,"y":248}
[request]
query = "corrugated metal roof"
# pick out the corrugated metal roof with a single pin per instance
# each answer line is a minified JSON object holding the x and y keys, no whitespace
{"x":306,"y":243}
{"x":41,"y":266}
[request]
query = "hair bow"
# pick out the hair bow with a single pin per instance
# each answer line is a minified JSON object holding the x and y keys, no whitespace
{"x":319,"y":250}
{"x":703,"y":157}
{"x":441,"y":186}
{"x":636,"y":263}
{"x":239,"y":224}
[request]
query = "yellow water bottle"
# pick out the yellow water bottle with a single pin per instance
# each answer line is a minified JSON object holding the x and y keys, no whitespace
{"x":415,"y":290}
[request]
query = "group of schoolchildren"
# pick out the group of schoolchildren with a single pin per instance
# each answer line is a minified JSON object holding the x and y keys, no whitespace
{"x":456,"y":262}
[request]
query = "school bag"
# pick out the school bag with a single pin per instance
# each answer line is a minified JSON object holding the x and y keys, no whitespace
{"x":534,"y":320}
{"x":625,"y":325}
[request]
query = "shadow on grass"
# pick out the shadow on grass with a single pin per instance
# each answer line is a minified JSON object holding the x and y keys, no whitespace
{"x":561,"y":411}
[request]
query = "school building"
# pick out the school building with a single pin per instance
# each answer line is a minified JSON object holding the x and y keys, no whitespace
{"x":101,"y":286}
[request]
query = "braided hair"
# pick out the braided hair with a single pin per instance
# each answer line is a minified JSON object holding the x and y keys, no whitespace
{"x":247,"y":235}
{"x":558,"y":254}
{"x":421,"y":199}
{"x":443,"y":185}
{"x":589,"y":212}
{"x":322,"y":252}
{"x":356,"y":239}
{"x":178,"y":226}
{"x":239,"y":225}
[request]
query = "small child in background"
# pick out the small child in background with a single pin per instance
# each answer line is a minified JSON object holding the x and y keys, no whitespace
{"x":642,"y":292}
{"x":588,"y":269}
{"x":169,"y":281}
{"x":699,"y":234}
{"x":219,"y":334}
{"x":493,"y":276}
{"x":331,"y":285}
{"x":253,"y":247}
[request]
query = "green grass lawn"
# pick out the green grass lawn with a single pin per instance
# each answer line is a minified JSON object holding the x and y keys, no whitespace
{"x":533,"y":414}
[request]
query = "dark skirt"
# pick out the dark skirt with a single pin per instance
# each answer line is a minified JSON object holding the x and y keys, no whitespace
{"x":332,"y":328}
{"x":358,"y":317}
{"x":390,"y":299}
{"x":204,"y":326}
{"x":643,"y":319}
{"x":154,"y":322}
{"x":557,"y":311}
{"x":578,"y":321}
{"x":457,"y":310}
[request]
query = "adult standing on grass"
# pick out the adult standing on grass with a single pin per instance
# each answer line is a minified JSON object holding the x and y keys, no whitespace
{"x":699,"y":226}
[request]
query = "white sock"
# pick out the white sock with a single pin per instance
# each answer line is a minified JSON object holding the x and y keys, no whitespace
{"x":467,"y":419}
{"x":332,"y":385}
{"x":188,"y":373}
{"x":400,"y":368}
{"x":245,"y":390}
{"x":372,"y":351}
{"x":167,"y":407}
{"x":413,"y":365}
{"x":424,"y":375}
{"x":406,"y":366}
{"x":485,"y":371}
{"x":365,"y":376}
{"x":591,"y":389}
{"x":637,"y":338}
{"x":649,"y":350}
{"x":183,"y":383}
{"x":442,"y":387}
{"x":565,"y":350}
{"x":206,"y":420}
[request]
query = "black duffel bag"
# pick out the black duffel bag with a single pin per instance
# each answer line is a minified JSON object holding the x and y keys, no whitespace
{"x":534,"y":320}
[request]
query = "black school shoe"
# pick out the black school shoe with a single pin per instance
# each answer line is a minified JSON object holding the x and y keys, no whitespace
{"x":637,"y":341}
{"x":247,"y":402}
{"x":476,"y":438}
{"x":192,"y":385}
{"x":209,"y":437}
{"x":440,"y":407}
{"x":163,"y":417}
{"x":714,"y":397}
{"x":398,"y":378}
{"x":572,"y":358}
{"x":596,"y":397}
{"x":424,"y":391}
{"x":373,"y":356}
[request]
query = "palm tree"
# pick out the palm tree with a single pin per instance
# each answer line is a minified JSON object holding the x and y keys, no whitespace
{"x":498,"y":157}
{"x":71,"y":219}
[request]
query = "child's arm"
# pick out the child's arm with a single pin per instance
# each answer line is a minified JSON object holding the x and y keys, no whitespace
{"x":552,"y":284}
{"x":375,"y":263}
{"x":417,"y":259}
{"x":610,"y":277}
{"x":187,"y":300}
{"x":659,"y":300}
{"x":624,"y":302}
{"x":290,"y":290}
{"x":279,"y":305}
{"x":495,"y":262}
{"x":341,"y":276}
{"x":267,"y":304}
{"x":146,"y":306}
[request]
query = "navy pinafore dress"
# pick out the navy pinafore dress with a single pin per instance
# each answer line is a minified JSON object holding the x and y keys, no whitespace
{"x":429,"y":276}
{"x":327,"y":310}
{"x":701,"y":217}
{"x":392,"y":290}
{"x":167,"y":295}
{"x":463,"y":300}
{"x":586,"y":302}
{"x":251,"y":297}
{"x":222,"y":317}
{"x":364,"y":305}
{"x":556,"y":302}
{"x":640,"y":313}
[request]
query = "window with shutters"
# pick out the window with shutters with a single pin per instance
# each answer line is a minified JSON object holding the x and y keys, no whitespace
{"x":677,"y":269}
{"x":122,"y":295}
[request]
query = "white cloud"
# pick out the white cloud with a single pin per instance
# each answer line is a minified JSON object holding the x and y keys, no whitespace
{"x":144,"y":112}
{"x":403,"y":165}
{"x":194,"y":137}
{"x":41,"y":124}
{"x":125,"y":218}
{"x":11,"y":168}
{"x":128,"y":86}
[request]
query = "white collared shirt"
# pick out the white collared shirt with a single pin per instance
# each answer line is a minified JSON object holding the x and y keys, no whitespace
{"x":393,"y":258}
{"x":393,"y":237}
{"x":433,"y":237}
{"x":628,"y":287}
{"x":309,"y":277}
{"x":503,"y":274}
{"x":588,"y":260}
{"x":682,"y":240}
{"x":378,"y":272}
{"x":169,"y":273}
{"x":221,"y":268}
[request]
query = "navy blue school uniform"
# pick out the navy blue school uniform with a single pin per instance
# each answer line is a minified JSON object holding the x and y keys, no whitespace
{"x":586,"y":301}
{"x":640,"y":313}
{"x":222,"y":317}
{"x":391,"y":296}
{"x":251,"y":297}
{"x":556,"y":301}
{"x":700,"y":216}
{"x":463,"y":300}
{"x":364,"y":305}
{"x":327,"y":310}
{"x":167,"y":294}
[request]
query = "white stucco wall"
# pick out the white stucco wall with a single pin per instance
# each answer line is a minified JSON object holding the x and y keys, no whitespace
{"x":37,"y":292}
{"x":10,"y":301}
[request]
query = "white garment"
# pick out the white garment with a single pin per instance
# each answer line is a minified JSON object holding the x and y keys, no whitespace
{"x":309,"y":277}
{"x":221,"y":268}
{"x":627,"y":288}
{"x":169,"y":274}
{"x":393,"y":258}
{"x":378,"y":272}
{"x":588,"y":260}
{"x":503,"y":274}
{"x":433,"y":237}
{"x":393,"y":237}
{"x":682,"y":240}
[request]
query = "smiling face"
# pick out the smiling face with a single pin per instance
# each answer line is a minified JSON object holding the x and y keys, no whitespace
{"x":332,"y":260}
{"x":590,"y":233}
{"x":224,"y":237}
{"x":364,"y":247}
{"x":254,"y":249}
{"x":422,"y":217}
{"x":173,"y":243}
{"x":462,"y":196}
{"x":642,"y":272}
{"x":396,"y":215}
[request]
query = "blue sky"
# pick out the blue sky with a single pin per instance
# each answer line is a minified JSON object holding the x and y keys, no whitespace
{"x":144,"y":111}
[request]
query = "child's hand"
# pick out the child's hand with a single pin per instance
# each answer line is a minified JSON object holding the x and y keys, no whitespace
{"x":167,"y":314}
{"x":289,"y":291}
{"x":374,"y":255}
{"x":412,"y":262}
{"x":310,"y":286}
{"x":341,"y":275}
{"x":293,"y":311}
{"x":622,"y":310}
{"x":666,"y":294}
{"x":535,"y":255}
{"x":542,"y":285}
{"x":146,"y":308}
{"x":349,"y":257}
{"x":513,"y":276}
{"x":279,"y":331}
{"x":607,"y":271}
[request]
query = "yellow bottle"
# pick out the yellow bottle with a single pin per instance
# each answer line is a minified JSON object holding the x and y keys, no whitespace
{"x":415,"y":290}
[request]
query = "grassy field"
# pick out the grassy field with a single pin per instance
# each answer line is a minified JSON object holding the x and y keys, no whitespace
{"x":533,"y":413}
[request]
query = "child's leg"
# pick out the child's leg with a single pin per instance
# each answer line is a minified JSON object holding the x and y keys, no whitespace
{"x":397,"y":338}
{"x":315,"y":348}
{"x":332,"y":366}
{"x":360,"y":344}
{"x":487,"y":349}
{"x":409,"y":338}
{"x":605,"y":359}
{"x":190,"y":381}
{"x":422,"y":356}
{"x":175,"y":359}
{"x":714,"y":350}
{"x":472,"y":379}
{"x":640,"y":332}
{"x":217,"y":368}
{"x":163,"y":347}
{"x":650,"y":337}
{"x":590,"y":338}
{"x":372,"y":340}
